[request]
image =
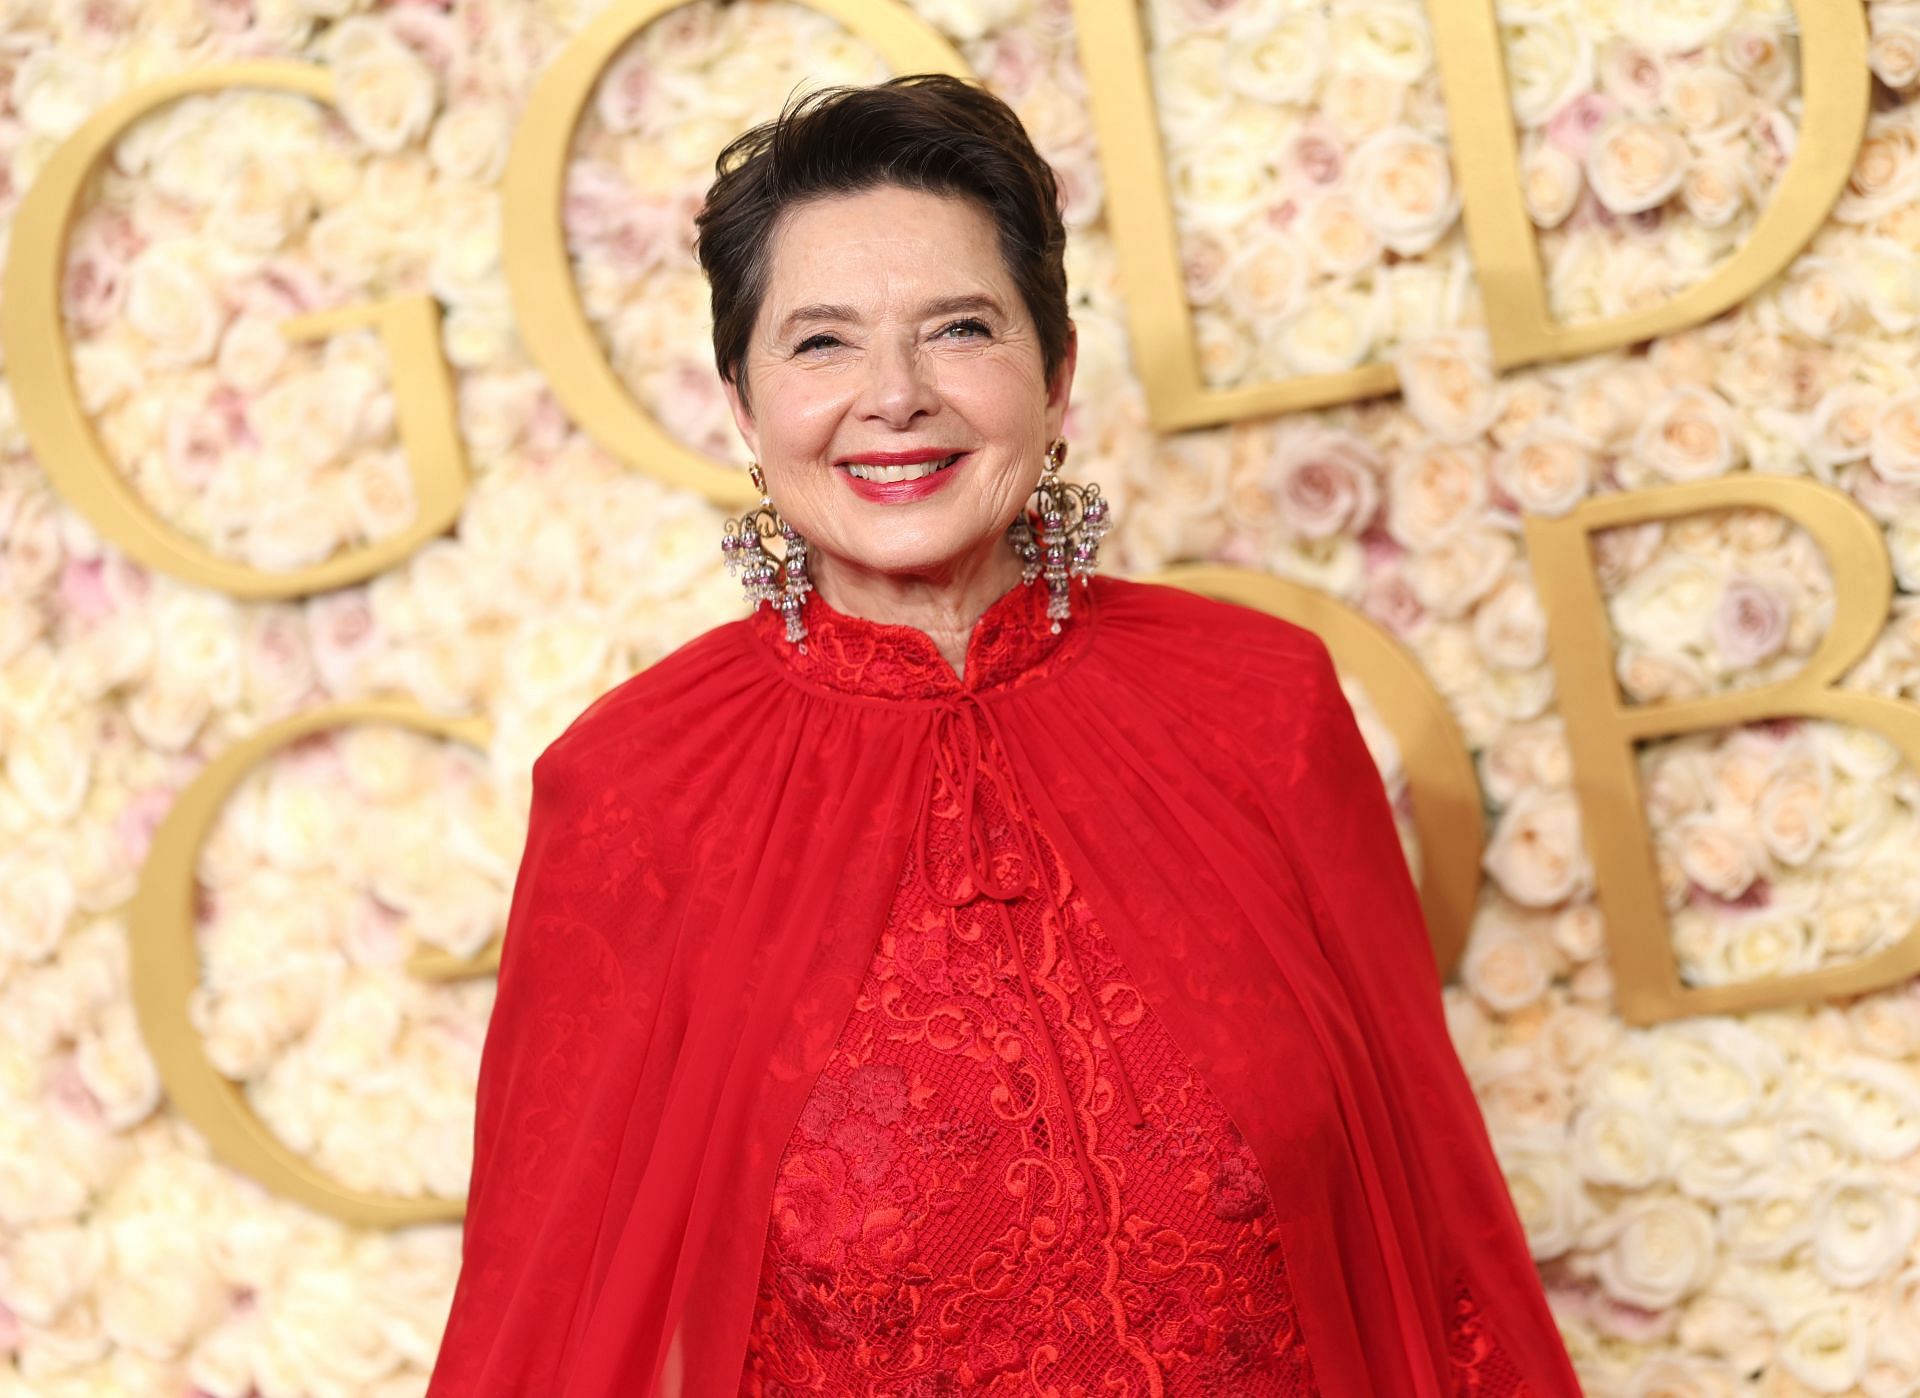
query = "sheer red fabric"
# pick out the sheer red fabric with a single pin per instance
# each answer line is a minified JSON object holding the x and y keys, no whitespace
{"x":930,"y":1234}
{"x":715,"y":850}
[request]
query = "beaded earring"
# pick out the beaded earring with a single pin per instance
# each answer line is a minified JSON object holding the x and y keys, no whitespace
{"x":1073,"y":519}
{"x":782,"y":581}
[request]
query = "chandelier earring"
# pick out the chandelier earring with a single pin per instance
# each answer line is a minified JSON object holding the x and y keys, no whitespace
{"x":780,"y":580}
{"x":1073,"y":518}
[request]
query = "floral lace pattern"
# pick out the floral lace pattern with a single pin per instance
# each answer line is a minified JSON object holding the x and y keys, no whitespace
{"x":1007,"y":1179}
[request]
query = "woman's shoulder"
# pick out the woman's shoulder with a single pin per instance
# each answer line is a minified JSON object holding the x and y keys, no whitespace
{"x":1192,"y":613}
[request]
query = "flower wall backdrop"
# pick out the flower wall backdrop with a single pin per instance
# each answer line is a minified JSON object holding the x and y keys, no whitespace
{"x":1717,"y":1205}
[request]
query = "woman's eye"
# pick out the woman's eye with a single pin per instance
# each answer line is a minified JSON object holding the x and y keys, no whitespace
{"x":975,"y":325}
{"x":811,"y":341}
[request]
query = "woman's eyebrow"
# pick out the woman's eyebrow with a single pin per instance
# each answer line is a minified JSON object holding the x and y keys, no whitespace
{"x":939,"y":306}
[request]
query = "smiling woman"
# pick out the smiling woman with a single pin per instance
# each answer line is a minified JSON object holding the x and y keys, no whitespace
{"x":968,"y":986}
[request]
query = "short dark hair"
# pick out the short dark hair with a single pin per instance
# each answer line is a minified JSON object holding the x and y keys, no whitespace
{"x":923,"y":131}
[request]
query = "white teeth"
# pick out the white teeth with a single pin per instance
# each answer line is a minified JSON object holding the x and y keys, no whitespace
{"x":899,"y":473}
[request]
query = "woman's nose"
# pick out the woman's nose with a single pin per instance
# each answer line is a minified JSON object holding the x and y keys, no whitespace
{"x":901,"y":382}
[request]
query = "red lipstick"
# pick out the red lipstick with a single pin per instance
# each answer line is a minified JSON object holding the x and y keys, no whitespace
{"x":894,"y":492}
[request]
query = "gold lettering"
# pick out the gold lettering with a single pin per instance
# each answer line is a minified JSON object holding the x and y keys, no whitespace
{"x":1835,"y":84}
{"x":1500,"y":236}
{"x":164,"y":969}
{"x":40,"y":369}
{"x":553,"y":324}
{"x":1602,"y":730}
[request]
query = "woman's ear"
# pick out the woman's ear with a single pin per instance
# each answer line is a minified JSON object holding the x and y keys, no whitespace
{"x":742,"y":417}
{"x":1062,"y":386}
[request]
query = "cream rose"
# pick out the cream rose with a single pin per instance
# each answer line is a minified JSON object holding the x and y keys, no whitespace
{"x":1324,"y":483}
{"x":1617,"y":1145}
{"x":1547,"y":471}
{"x":1402,"y":185}
{"x":1894,"y":50}
{"x":1355,"y":105}
{"x":171,"y":303}
{"x":1750,"y":624}
{"x":1716,"y":188}
{"x":1716,"y":857}
{"x":1886,"y":171}
{"x":1448,"y":384}
{"x":1504,"y":967}
{"x":1537,"y":855}
{"x":1550,"y":183}
{"x":1340,"y":242}
{"x":1437,"y":493}
{"x":1267,"y":278}
{"x":1862,"y":1230}
{"x":1635,"y":164}
{"x":1510,"y":628}
{"x":1689,"y":435}
{"x":1548,"y":1199}
{"x":1895,"y":448}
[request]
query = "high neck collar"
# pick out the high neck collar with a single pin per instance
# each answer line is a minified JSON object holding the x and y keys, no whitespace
{"x":1012,"y":642}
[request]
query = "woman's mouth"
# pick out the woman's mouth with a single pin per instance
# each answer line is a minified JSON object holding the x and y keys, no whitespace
{"x":890,"y":483}
{"x":865,"y":471}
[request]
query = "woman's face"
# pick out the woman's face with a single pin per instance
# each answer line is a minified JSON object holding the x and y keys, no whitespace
{"x":890,"y":325}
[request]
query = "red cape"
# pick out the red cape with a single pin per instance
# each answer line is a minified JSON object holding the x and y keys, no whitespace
{"x":713,"y":848}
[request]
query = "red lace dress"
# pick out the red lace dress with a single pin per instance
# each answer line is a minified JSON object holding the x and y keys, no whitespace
{"x":1008,"y":1180}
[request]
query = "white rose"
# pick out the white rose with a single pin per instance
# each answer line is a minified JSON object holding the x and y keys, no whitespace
{"x":1840,"y":428}
{"x":1548,"y":1199}
{"x":1715,"y":1072}
{"x":1888,"y":280}
{"x":1267,"y":278}
{"x":1357,"y":104}
{"x":1456,"y":573}
{"x":1219,"y":184}
{"x":117,"y":1069}
{"x":469,"y":141}
{"x":1190,"y":91}
{"x":170,"y":302}
{"x":1333,"y":330}
{"x":1222,"y":347}
{"x":386,"y":94}
{"x":1676,"y":26}
{"x":1549,"y":61}
{"x":1510,"y":627}
{"x":1635,"y":165}
{"x":1448,"y":385}
{"x":51,"y":766}
{"x":1388,"y":37}
{"x":37,"y":902}
{"x":252,"y":352}
{"x":1618,"y":1145}
{"x":1689,"y":435}
{"x":1775,"y":1221}
{"x":1862,"y":1230}
{"x":1870,"y":1106}
{"x":1826,"y":1351}
{"x":1668,"y":604}
{"x":1818,"y":297}
{"x":1661,"y":1251}
{"x":1403,"y":187}
{"x":1537,"y":855}
{"x":1277,"y":59}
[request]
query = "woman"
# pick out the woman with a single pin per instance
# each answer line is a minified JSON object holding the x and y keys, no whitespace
{"x":967,"y":974}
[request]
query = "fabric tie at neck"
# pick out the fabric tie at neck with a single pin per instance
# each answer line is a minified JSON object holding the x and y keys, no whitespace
{"x":955,"y":757}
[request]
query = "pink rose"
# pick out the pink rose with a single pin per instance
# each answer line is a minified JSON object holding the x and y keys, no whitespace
{"x":1572,"y":127}
{"x":1750,"y":624}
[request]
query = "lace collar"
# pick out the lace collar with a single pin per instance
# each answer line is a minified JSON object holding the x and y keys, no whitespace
{"x":1012,"y":644}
